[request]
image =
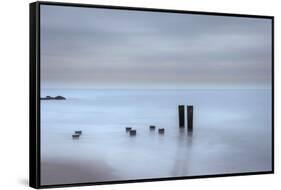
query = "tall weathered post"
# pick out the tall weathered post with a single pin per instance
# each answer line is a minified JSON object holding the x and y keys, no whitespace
{"x":189,"y":118}
{"x":181,"y":116}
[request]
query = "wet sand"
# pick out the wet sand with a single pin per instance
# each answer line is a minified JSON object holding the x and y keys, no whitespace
{"x":67,"y":172}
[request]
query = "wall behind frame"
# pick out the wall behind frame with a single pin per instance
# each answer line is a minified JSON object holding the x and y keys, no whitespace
{"x":14,"y":73}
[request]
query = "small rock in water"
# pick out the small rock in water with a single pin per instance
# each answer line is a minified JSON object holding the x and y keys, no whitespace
{"x":161,"y":131}
{"x":133,"y":132}
{"x":128,"y":129}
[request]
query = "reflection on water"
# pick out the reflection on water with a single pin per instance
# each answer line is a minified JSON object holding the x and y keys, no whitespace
{"x":232,"y":133}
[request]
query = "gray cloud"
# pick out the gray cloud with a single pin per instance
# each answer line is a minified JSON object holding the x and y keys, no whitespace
{"x":102,"y":48}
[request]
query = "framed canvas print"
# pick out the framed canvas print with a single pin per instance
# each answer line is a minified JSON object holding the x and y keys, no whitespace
{"x":123,"y":94}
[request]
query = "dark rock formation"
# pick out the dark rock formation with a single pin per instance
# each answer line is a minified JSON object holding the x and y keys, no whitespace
{"x":53,"y":98}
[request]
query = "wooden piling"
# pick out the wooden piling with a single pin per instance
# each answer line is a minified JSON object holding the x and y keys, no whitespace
{"x":78,"y":132}
{"x":133,"y":132}
{"x":128,"y":129}
{"x":75,"y":136}
{"x":190,"y":118}
{"x":152,"y":127}
{"x":161,"y":131}
{"x":181,"y":116}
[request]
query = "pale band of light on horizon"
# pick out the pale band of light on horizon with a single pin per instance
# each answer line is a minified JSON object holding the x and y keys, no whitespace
{"x":104,"y":48}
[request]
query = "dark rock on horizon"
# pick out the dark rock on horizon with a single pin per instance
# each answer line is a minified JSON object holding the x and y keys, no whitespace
{"x":53,"y":98}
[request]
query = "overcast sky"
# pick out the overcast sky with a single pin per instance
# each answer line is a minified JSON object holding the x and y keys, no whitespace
{"x":103,"y":48}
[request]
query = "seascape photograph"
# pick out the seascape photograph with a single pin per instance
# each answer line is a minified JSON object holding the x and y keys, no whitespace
{"x":131,"y":95}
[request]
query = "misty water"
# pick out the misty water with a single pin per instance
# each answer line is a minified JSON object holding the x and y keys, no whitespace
{"x":232,"y":134}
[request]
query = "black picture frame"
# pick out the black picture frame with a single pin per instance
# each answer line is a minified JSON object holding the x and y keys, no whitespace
{"x":34,"y":92}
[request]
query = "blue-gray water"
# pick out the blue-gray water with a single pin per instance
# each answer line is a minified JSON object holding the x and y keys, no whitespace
{"x":232,"y":133}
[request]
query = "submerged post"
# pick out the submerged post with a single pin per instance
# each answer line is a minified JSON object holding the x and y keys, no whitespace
{"x":133,"y":132}
{"x":161,"y":131}
{"x":78,"y":132}
{"x":181,"y":116}
{"x":128,"y":129}
{"x":190,"y":118}
{"x":75,"y":136}
{"x":152,"y":127}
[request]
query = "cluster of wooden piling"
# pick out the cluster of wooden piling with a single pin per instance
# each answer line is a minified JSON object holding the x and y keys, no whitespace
{"x":153,"y":128}
{"x":77,"y":134}
{"x":181,"y":112}
{"x":133,"y":132}
{"x":189,"y":117}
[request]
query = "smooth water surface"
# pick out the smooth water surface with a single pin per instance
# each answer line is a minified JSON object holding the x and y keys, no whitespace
{"x":232,"y":133}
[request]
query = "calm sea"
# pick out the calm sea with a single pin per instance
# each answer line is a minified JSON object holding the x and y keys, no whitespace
{"x":232,"y":133}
